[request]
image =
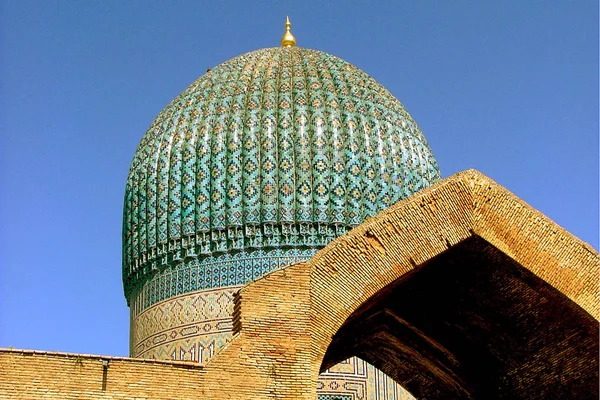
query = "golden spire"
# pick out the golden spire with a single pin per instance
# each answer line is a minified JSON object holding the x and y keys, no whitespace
{"x":288,"y":40}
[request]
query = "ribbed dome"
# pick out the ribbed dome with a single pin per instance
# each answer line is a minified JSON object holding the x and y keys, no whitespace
{"x":268,"y":156}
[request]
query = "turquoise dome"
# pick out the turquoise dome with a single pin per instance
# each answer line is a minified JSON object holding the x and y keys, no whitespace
{"x":263,"y":160}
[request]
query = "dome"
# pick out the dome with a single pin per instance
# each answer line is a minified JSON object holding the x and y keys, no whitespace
{"x":263,"y":160}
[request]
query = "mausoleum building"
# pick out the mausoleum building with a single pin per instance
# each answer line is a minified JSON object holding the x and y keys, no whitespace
{"x":287,"y":234}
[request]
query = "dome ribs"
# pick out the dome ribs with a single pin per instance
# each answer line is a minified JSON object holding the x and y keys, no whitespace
{"x":127,"y":226}
{"x":379,"y":149}
{"x":162,"y":208}
{"x":151,"y":188}
{"x":371,"y":156}
{"x":203,"y":167}
{"x":233,"y":170}
{"x":154,"y":152}
{"x":159,"y":170}
{"x":286,"y":101}
{"x":321,"y":151}
{"x":137,"y":199}
{"x":251,"y":151}
{"x":354,"y":146}
{"x":268,"y":146}
{"x":176,"y":160}
{"x":259,"y":163}
{"x":218,"y":172}
{"x":385,"y":151}
{"x":195,"y":106}
{"x":303,"y":164}
{"x":188,"y":171}
{"x":338,"y":143}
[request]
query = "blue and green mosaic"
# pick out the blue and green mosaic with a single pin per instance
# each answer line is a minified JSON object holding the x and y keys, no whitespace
{"x":213,"y":271}
{"x":274,"y":150}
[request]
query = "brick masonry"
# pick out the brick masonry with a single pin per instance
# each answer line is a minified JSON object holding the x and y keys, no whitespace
{"x":195,"y":326}
{"x":26,"y":374}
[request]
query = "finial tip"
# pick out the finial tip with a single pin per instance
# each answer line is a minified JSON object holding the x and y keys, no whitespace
{"x":288,"y":40}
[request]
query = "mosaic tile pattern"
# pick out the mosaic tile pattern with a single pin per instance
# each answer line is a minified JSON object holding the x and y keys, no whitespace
{"x":189,"y":327}
{"x":281,"y":148}
{"x":359,"y":380}
{"x":215,"y":271}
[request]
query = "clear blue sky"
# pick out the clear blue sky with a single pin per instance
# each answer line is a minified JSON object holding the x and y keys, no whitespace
{"x":506,"y":87}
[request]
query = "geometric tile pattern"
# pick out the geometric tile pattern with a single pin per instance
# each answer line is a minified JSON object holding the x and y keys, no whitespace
{"x":280,"y":148}
{"x":334,"y":397}
{"x":188,"y":327}
{"x":214,"y":271}
{"x":358,"y":380}
{"x":196,"y":324}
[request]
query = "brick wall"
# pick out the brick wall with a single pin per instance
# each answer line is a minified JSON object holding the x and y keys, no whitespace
{"x":26,"y":374}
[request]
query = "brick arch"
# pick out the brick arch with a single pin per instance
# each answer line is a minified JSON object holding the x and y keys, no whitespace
{"x":473,"y":323}
{"x":414,"y":231}
{"x":285,"y":321}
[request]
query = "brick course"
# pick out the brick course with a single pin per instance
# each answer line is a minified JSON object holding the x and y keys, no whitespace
{"x":27,"y":374}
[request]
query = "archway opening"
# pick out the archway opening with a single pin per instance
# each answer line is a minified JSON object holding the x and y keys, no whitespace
{"x":474,"y":323}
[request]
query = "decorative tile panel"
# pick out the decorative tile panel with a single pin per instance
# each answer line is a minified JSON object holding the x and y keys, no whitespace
{"x":220,"y":270}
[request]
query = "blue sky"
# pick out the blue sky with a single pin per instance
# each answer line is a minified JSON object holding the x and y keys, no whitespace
{"x":506,"y":87}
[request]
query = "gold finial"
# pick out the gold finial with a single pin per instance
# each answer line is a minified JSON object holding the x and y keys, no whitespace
{"x":288,"y":40}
